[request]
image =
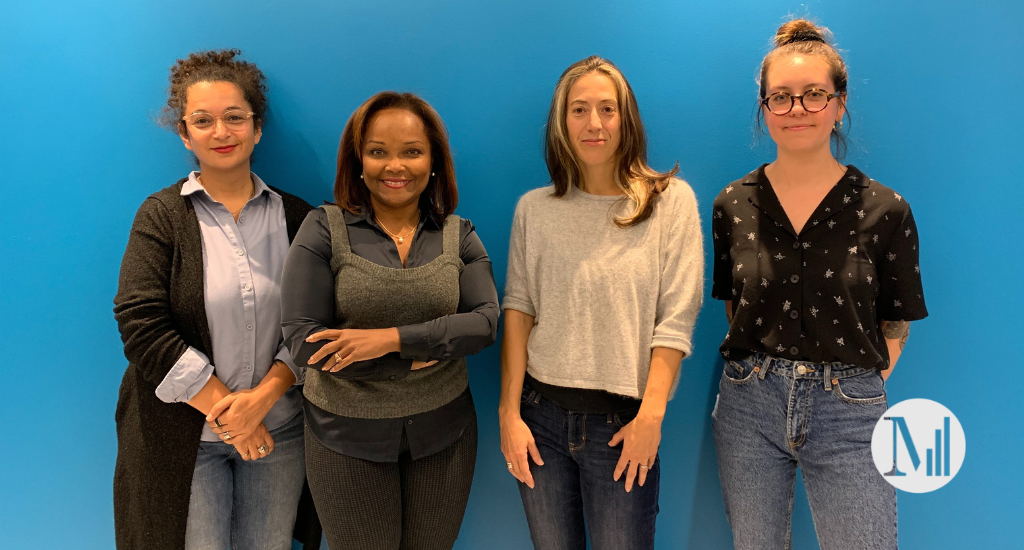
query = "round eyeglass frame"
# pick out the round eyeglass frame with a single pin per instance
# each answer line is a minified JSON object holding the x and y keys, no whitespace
{"x":793,"y":98}
{"x":220,"y":117}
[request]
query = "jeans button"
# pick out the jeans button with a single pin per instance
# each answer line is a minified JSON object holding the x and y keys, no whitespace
{"x":801,"y":369}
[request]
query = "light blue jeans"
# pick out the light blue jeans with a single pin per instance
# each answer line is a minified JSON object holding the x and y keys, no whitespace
{"x":774,"y":415}
{"x":247,"y":505}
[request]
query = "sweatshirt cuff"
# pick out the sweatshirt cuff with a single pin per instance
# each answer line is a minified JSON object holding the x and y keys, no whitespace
{"x":188,"y":375}
{"x":672,"y":342}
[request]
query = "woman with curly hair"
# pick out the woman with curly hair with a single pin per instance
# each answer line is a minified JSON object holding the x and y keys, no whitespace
{"x":209,"y":415}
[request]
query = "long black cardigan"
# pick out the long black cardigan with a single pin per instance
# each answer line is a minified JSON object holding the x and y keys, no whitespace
{"x":160,"y":312}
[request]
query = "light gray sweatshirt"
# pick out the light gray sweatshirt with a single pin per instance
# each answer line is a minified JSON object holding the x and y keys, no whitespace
{"x":604,"y":296}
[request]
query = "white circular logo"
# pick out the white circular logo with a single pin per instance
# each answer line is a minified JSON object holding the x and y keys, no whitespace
{"x":918,"y":445}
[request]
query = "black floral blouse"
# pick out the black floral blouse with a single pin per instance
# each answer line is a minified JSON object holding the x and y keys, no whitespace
{"x":818,"y":296}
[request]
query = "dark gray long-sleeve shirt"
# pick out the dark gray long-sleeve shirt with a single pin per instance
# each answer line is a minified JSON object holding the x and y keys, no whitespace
{"x":308,"y":306}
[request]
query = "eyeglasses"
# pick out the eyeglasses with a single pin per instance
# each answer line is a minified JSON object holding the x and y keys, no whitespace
{"x":813,"y":100}
{"x":232,"y":118}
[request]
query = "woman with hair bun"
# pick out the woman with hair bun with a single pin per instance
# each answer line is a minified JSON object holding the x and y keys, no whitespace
{"x":209,"y":416}
{"x":605,"y":277}
{"x":818,"y":266}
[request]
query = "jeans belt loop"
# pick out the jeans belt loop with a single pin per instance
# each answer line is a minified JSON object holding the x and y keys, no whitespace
{"x":828,"y":376}
{"x":764,"y":366}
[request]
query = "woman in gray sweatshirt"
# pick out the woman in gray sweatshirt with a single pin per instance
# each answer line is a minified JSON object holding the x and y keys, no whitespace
{"x":604,"y":285}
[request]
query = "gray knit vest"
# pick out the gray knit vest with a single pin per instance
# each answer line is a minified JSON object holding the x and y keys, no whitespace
{"x":367,"y":296}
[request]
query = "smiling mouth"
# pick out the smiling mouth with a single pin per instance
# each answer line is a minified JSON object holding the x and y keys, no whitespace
{"x":799,"y":127}
{"x":594,"y":142}
{"x":225,"y":149}
{"x":395,"y":184}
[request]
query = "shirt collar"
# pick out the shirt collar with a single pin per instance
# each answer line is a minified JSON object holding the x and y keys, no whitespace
{"x":854,"y":177}
{"x":192,"y":186}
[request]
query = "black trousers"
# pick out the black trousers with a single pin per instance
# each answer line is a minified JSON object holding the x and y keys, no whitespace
{"x":404,"y":505}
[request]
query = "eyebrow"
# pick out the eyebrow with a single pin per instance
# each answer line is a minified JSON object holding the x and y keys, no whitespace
{"x":225,"y":109}
{"x":406,"y":143}
{"x":810,"y":85}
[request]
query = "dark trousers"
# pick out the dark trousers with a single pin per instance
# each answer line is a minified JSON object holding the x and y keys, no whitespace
{"x":574,"y":491}
{"x":404,"y":505}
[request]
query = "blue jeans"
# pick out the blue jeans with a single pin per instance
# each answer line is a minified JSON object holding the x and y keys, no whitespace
{"x":248,"y":505}
{"x":576,"y":482}
{"x":774,"y":415}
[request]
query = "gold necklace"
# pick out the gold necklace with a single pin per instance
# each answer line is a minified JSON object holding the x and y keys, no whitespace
{"x":401,"y":238}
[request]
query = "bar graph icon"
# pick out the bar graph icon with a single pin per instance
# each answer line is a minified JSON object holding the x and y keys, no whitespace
{"x":923,"y":465}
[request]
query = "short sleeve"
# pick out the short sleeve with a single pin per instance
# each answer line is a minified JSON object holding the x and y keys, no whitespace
{"x":901,"y":294}
{"x":517,"y":287}
{"x":721,"y":238}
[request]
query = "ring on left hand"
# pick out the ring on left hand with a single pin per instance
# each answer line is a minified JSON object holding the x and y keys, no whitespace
{"x":226,"y":436}
{"x":217,"y":422}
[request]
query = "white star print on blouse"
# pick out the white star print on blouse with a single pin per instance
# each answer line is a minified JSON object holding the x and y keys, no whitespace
{"x":750,"y":236}
{"x":786,"y":305}
{"x":828,"y":273}
{"x":839,"y":300}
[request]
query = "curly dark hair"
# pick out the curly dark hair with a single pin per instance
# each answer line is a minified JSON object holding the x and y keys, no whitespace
{"x":213,"y":66}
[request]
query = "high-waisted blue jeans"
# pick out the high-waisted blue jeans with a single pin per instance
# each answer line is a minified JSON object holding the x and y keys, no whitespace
{"x":774,"y":415}
{"x":576,"y":482}
{"x":247,"y":505}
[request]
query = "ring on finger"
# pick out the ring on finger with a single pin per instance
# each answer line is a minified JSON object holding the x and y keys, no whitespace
{"x":263,"y":449}
{"x":509,"y":464}
{"x":217,"y":422}
{"x":337,"y":356}
{"x":226,"y":436}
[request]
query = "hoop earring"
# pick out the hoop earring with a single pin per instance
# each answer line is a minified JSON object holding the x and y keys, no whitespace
{"x":838,"y":125}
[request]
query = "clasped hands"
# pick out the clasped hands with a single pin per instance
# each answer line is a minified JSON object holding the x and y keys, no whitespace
{"x":346,"y":346}
{"x":238,"y":420}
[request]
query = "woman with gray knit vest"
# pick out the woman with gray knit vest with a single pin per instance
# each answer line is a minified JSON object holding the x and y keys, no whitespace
{"x":386,"y":293}
{"x":605,"y":277}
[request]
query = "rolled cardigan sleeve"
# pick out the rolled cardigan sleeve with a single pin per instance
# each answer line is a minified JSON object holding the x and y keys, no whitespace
{"x":142,"y":306}
{"x":307,"y":304}
{"x":682,"y":277}
{"x":475,"y":325}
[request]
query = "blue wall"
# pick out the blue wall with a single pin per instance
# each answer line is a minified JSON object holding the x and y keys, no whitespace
{"x":934,"y":93}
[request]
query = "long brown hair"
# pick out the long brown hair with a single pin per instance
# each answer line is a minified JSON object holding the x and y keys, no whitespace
{"x":441,"y":195}
{"x":640,"y":182}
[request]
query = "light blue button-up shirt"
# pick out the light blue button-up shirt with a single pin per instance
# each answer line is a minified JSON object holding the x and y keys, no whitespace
{"x":242,"y":265}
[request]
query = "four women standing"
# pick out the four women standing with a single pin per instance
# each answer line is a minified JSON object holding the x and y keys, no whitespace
{"x":386,"y":291}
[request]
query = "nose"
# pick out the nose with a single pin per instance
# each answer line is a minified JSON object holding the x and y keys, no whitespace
{"x":220,"y":129}
{"x":594,"y":121}
{"x":395,"y":164}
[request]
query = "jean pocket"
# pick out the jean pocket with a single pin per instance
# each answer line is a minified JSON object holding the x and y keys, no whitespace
{"x":622,"y":418}
{"x":862,"y":389}
{"x":738,"y":372}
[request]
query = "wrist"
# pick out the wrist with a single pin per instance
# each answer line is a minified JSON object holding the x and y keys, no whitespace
{"x":651,"y":413}
{"x":508,"y":411}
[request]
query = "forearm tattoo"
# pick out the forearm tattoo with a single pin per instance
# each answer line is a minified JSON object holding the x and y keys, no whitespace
{"x":893,"y":330}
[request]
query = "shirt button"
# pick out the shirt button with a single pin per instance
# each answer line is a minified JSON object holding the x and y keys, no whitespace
{"x":393,"y":377}
{"x":241,"y":220}
{"x":793,"y":314}
{"x":247,"y":287}
{"x":409,"y":422}
{"x":240,"y":252}
{"x":248,"y":367}
{"x":794,"y":350}
{"x":794,"y":279}
{"x":796,"y":246}
{"x":801,"y":369}
{"x":249,"y":327}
